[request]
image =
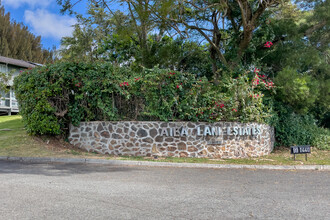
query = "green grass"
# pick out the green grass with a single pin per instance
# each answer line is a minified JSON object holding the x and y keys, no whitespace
{"x":278,"y":157}
{"x":16,"y":142}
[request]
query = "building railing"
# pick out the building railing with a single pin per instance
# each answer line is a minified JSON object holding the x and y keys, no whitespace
{"x":8,"y":102}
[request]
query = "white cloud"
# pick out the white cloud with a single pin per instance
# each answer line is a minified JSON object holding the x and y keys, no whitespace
{"x":31,"y":3}
{"x":47,"y":24}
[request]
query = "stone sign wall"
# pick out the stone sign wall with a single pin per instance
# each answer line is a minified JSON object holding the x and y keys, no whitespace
{"x":174,"y":139}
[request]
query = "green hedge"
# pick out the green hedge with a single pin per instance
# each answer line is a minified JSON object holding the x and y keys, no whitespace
{"x":53,"y":96}
{"x":295,"y":129}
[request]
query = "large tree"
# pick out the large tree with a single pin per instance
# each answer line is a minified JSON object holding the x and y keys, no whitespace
{"x":17,"y":42}
{"x":226,"y":26}
{"x":300,"y":59}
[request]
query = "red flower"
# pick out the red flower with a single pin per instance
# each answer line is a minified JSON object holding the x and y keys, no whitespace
{"x":256,"y":81}
{"x":137,"y":79}
{"x":268,"y":44}
{"x":222,"y":105}
{"x":234,"y":109}
{"x":256,"y":70}
{"x":270,"y":84}
{"x":123,"y":84}
{"x":177,"y":86}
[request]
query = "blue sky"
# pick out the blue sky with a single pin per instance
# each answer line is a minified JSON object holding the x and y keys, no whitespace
{"x":43,"y":18}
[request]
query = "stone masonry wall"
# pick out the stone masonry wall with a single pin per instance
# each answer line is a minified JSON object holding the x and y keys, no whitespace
{"x":174,"y":139}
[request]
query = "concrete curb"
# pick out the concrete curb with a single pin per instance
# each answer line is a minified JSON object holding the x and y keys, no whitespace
{"x":163,"y":164}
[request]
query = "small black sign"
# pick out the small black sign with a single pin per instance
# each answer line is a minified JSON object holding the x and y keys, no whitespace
{"x":305,"y":149}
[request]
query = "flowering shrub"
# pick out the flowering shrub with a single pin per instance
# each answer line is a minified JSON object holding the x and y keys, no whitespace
{"x":245,"y":96}
{"x":54,"y":96}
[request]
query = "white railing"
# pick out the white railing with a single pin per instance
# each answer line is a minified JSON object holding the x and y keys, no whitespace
{"x":8,"y":102}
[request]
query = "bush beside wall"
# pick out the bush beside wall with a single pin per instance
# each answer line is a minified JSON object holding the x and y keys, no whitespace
{"x":53,"y":96}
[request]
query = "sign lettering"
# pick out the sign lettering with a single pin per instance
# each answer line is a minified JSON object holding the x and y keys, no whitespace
{"x":212,"y":131}
{"x":301,"y":149}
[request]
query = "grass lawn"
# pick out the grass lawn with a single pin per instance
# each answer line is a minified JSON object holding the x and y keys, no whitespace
{"x":14,"y":141}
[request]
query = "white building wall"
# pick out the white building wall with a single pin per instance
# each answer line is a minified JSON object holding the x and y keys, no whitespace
{"x":8,"y":102}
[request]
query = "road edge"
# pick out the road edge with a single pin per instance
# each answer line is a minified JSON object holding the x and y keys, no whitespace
{"x":163,"y":164}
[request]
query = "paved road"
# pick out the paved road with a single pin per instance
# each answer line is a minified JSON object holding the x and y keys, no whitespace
{"x":67,"y":191}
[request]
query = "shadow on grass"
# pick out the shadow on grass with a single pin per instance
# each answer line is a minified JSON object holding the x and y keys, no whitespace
{"x":11,"y":124}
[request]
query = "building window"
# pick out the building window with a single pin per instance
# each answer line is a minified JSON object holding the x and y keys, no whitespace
{"x":4,"y":95}
{"x":3,"y":68}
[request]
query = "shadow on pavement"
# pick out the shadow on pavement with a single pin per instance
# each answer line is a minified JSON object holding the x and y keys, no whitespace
{"x":57,"y":169}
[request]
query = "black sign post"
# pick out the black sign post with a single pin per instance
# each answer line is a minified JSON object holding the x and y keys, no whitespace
{"x":304,"y":149}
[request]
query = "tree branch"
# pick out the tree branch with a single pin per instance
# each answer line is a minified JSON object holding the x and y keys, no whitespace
{"x":220,"y":55}
{"x":314,"y":28}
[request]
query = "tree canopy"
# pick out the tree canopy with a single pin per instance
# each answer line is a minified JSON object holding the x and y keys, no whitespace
{"x":17,"y":42}
{"x":288,"y":40}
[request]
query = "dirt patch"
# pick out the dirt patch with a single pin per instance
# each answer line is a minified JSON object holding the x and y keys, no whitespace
{"x":57,"y":144}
